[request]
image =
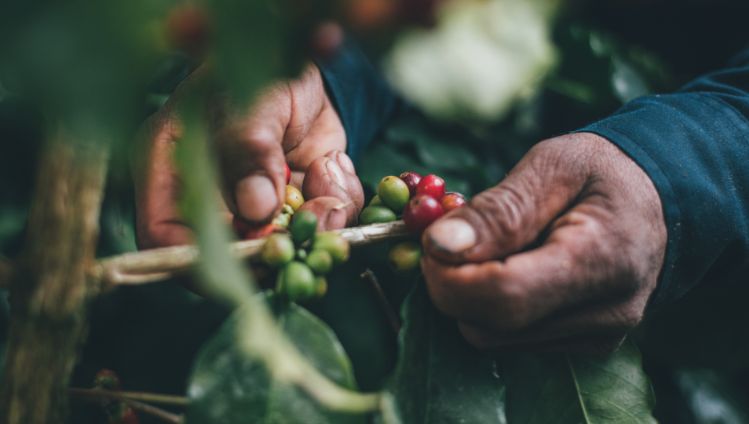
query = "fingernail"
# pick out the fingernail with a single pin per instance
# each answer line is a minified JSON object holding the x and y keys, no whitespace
{"x":345,"y":163}
{"x":256,"y":198}
{"x":336,"y":219}
{"x":452,"y":235}
{"x":336,"y":173}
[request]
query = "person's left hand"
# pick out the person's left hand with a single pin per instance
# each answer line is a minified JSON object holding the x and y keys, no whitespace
{"x":291,"y":122}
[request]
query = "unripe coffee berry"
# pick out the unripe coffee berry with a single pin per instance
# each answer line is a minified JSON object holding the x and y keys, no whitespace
{"x":319,"y":261}
{"x":321,"y":286}
{"x":421,"y":211}
{"x":333,"y":244}
{"x":303,"y":226}
{"x":297,"y":281}
{"x":405,"y":256}
{"x":393,"y":192}
{"x":277,"y":250}
{"x":452,"y":201}
{"x":412,"y":180}
{"x":431,"y":185}
{"x":376,"y":201}
{"x":376,"y":214}
{"x":294,"y":197}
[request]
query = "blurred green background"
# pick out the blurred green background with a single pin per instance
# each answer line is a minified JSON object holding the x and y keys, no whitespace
{"x":696,"y":352}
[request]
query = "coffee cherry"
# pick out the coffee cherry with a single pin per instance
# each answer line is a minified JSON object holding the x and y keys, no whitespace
{"x":294,"y":197}
{"x":297,"y":282}
{"x":319,"y":261}
{"x":188,"y":29}
{"x":376,"y":214}
{"x":321,"y":286}
{"x":128,"y":416}
{"x":421,"y":211}
{"x":334,"y":244}
{"x":431,"y":185}
{"x":452,"y":201}
{"x":247,"y":231}
{"x":376,"y":201}
{"x":107,"y":379}
{"x":393,"y":192}
{"x":277,"y":250}
{"x":303,"y":226}
{"x":412,"y":180}
{"x":405,"y":256}
{"x":287,"y":171}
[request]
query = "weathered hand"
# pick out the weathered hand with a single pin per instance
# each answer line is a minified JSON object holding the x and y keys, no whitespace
{"x":561,"y":255}
{"x":291,"y":122}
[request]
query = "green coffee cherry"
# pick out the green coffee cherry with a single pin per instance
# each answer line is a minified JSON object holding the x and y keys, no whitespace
{"x":319,"y":261}
{"x":297,"y":282}
{"x":376,"y":201}
{"x":301,"y":254}
{"x":405,"y":256}
{"x":277,"y":250}
{"x":394,"y":193}
{"x":321,"y":286}
{"x":303,"y":226}
{"x":333,"y":244}
{"x":376,"y":214}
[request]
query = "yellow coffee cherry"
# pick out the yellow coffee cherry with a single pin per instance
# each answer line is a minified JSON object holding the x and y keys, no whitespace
{"x":294,"y":197}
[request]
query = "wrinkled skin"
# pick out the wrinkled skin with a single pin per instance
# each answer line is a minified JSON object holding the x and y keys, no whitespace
{"x":561,"y":255}
{"x":290,"y":121}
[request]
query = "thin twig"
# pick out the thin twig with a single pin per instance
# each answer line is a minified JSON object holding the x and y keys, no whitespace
{"x":99,"y":394}
{"x":387,"y":308}
{"x":160,"y":264}
{"x":136,"y":396}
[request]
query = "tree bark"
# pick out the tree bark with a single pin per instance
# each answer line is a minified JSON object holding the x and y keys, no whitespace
{"x":49,"y":286}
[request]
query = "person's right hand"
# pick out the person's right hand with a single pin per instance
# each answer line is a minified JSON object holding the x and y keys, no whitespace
{"x":291,"y":122}
{"x":561,"y":255}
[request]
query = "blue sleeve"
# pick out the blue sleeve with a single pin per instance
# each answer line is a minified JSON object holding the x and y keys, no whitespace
{"x":694,"y":145}
{"x":360,"y":94}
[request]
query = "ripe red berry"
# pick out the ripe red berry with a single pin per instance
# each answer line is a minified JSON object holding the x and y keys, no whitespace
{"x":129,"y":416}
{"x":288,"y":173}
{"x":247,"y":231}
{"x":188,"y":29}
{"x":421,"y":211}
{"x":431,"y":185}
{"x":452,"y":201}
{"x":412,"y":180}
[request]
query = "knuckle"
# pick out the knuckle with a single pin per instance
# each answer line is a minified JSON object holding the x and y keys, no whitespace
{"x":500,"y":210}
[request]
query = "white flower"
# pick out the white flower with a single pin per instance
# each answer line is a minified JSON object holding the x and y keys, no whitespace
{"x":481,"y":57}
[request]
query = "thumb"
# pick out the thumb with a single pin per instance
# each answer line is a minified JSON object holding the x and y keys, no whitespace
{"x":506,"y":218}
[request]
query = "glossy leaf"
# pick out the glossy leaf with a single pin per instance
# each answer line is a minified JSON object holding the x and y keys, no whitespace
{"x":439,"y":377}
{"x":227,"y":386}
{"x":560,"y":389}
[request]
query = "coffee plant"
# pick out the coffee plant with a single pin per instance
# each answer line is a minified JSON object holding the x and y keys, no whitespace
{"x":292,"y":325}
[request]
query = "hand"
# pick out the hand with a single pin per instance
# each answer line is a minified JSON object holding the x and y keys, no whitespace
{"x":292,"y":122}
{"x":561,"y":255}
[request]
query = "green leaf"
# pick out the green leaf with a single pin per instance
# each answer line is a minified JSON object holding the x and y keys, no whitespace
{"x":439,"y":377}
{"x":227,"y":386}
{"x":560,"y":389}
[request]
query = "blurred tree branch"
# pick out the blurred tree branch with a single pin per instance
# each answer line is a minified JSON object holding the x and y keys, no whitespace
{"x":50,"y":285}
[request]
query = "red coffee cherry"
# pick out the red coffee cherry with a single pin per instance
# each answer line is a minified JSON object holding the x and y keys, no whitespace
{"x":412,"y":180}
{"x":452,"y":201}
{"x":288,"y":173}
{"x":421,"y":211}
{"x":431,"y":185}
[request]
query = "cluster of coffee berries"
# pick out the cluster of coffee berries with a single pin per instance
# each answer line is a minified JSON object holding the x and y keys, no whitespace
{"x":303,"y":257}
{"x":118,"y":412}
{"x":292,"y":202}
{"x":420,"y":200}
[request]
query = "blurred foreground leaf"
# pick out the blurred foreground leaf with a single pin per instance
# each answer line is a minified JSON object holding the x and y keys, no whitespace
{"x":439,"y":377}
{"x":227,"y":386}
{"x":560,"y":389}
